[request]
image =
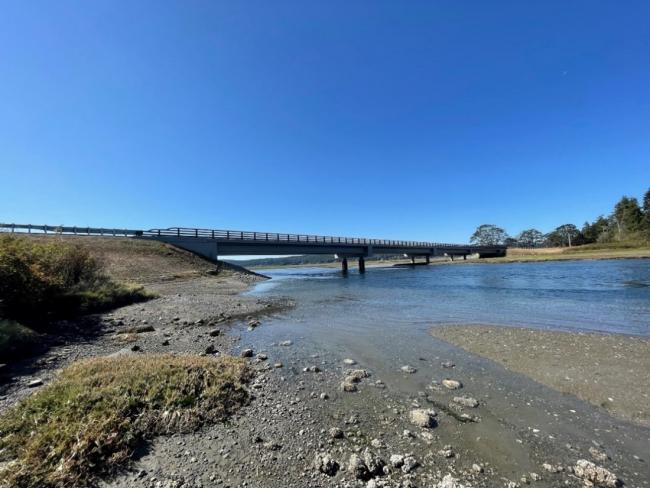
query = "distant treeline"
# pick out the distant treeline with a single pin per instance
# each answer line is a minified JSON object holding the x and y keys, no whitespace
{"x":628,"y":222}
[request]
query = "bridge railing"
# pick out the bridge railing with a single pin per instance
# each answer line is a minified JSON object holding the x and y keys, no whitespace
{"x":281,"y":237}
{"x":234,"y":235}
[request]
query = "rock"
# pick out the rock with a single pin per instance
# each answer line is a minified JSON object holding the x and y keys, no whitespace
{"x":336,"y":433}
{"x":423,"y":417}
{"x":135,"y":348}
{"x":452,"y":384}
{"x":396,"y":460}
{"x":358,"y":468}
{"x":356,"y":375}
{"x":165,"y":342}
{"x":35,"y":383}
{"x":348,"y":387}
{"x":373,"y":462}
{"x":247,"y":353}
{"x":311,"y":369}
{"x":410,"y":463}
{"x":325,"y":464}
{"x":277,"y":365}
{"x":447,"y":364}
{"x":253,"y":323}
{"x":324,"y":396}
{"x":449,"y":482}
{"x":598,"y":455}
{"x":551,"y":469}
{"x":262,"y":357}
{"x":408,"y":369}
{"x":446,"y":452}
{"x":349,"y":362}
{"x":286,"y":343}
{"x":377,"y":443}
{"x":588,"y":471}
{"x":466,"y":401}
{"x":210,"y":349}
{"x":215,"y":332}
{"x":476,"y":468}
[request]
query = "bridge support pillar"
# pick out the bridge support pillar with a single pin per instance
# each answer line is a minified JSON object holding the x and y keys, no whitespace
{"x":464,"y":257}
{"x":362,"y":264}
{"x":412,"y":259}
{"x":428,"y":259}
{"x":344,"y":265}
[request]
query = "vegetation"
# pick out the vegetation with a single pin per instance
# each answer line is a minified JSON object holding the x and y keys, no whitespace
{"x":15,"y":339}
{"x":42,"y":279}
{"x":628,"y":223}
{"x":91,"y":418}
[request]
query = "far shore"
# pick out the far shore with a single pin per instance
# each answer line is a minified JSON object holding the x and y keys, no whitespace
{"x":514,"y":255}
{"x":606,"y":370}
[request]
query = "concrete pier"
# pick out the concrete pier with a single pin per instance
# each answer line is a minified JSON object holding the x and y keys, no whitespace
{"x":362,"y":264}
{"x":344,"y":265}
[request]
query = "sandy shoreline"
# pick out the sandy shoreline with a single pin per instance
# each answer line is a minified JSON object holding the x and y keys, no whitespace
{"x":608,"y":370}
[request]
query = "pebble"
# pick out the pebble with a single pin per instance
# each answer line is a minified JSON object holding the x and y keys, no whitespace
{"x":423,"y":417}
{"x":452,"y":384}
{"x":336,"y":433}
{"x":449,"y":482}
{"x":466,"y":401}
{"x":215,"y":332}
{"x":286,"y":343}
{"x":325,"y":464}
{"x":247,"y":353}
{"x":349,"y":362}
{"x":408,"y":369}
{"x":597,"y":475}
{"x":35,"y":383}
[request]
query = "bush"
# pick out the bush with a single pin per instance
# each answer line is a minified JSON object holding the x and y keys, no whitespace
{"x":45,"y":278}
{"x":16,"y":340}
{"x":89,"y":421}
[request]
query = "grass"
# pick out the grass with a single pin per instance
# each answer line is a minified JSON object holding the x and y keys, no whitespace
{"x":88,"y":422}
{"x":618,"y":250}
{"x":44,"y":279}
{"x":15,"y":339}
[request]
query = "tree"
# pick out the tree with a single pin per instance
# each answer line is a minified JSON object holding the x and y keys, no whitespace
{"x":627,"y":216}
{"x":530,"y":238}
{"x":569,"y":233}
{"x":488,"y":235}
{"x":646,"y":213}
{"x":593,"y":232}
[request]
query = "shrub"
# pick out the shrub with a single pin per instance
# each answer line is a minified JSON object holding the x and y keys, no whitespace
{"x":15,"y":340}
{"x":89,"y":421}
{"x":44,"y":278}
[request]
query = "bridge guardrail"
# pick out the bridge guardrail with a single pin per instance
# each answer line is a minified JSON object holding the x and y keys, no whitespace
{"x":228,"y":235}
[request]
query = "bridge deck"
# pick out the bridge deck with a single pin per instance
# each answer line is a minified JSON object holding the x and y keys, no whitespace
{"x":212,"y":242}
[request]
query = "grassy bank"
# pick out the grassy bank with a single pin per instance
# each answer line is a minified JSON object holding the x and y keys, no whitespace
{"x":588,"y":251}
{"x":89,"y":420}
{"x":46,"y":279}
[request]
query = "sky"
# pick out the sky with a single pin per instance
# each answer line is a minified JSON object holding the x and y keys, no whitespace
{"x":408,"y":120}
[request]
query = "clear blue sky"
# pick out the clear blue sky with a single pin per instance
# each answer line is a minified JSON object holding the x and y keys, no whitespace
{"x":418,"y":120}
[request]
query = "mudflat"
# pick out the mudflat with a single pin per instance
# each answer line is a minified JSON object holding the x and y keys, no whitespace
{"x":608,"y":370}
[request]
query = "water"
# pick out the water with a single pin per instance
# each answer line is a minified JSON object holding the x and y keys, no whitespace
{"x":603,"y":296}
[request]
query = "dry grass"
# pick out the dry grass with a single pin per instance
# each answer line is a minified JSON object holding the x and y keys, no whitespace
{"x":589,"y":251}
{"x":88,"y":422}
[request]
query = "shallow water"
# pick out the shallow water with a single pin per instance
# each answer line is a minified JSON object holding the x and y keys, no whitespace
{"x":382,"y":320}
{"x":604,"y":296}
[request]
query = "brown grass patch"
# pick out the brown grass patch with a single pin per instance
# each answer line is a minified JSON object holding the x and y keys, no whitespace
{"x":88,"y":422}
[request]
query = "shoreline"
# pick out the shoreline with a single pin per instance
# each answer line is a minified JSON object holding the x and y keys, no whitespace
{"x":298,"y":401}
{"x":525,"y":258}
{"x":608,"y":370}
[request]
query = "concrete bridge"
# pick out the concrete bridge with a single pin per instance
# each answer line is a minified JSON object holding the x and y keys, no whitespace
{"x":211,"y":243}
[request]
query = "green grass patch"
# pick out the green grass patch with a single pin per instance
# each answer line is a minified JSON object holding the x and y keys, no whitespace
{"x":88,"y":422}
{"x":15,"y":340}
{"x":44,"y":279}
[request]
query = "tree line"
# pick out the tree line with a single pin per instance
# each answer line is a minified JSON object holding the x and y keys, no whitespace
{"x":629,"y":221}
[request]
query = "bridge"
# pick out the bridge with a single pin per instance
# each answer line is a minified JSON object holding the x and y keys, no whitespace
{"x":211,"y":243}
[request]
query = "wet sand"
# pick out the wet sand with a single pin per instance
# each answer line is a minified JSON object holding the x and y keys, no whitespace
{"x":607,"y":370}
